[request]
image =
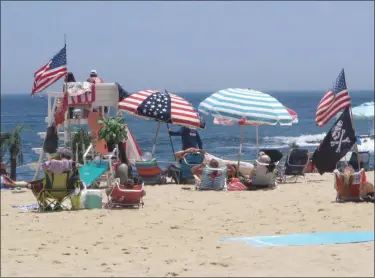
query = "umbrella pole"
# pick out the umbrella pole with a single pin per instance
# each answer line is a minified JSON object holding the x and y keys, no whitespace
{"x":240,"y":151}
{"x":257,"y":134}
{"x":156,"y":136}
{"x":170,"y":139}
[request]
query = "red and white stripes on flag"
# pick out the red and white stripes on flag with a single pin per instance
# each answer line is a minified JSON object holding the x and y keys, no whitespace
{"x":330,"y":105}
{"x":50,"y":72}
{"x":80,"y":93}
{"x":182,"y":112}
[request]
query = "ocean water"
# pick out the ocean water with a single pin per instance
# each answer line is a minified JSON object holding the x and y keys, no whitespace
{"x":222,"y":141}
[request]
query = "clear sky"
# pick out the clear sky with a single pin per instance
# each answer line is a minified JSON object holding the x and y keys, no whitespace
{"x":192,"y":46}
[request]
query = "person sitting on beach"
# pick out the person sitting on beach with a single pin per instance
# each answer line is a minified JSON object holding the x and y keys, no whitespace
{"x":232,"y":175}
{"x":59,"y":162}
{"x":180,"y":155}
{"x":94,"y":77}
{"x":129,"y":184}
{"x":198,"y":169}
{"x":264,"y":158}
{"x":6,"y":181}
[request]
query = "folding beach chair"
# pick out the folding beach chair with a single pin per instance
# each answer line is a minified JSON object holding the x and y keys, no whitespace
{"x":150,"y":172}
{"x":120,"y":196}
{"x":54,"y":189}
{"x":352,"y":193}
{"x":265,"y":174}
{"x":212,"y":179}
{"x":185,"y":176}
{"x":295,"y":164}
{"x":364,"y":160}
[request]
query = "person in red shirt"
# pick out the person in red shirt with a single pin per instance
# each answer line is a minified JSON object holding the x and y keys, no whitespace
{"x":94,"y":77}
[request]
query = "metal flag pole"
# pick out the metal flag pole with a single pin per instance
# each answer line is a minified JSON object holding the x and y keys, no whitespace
{"x":156,"y":136}
{"x":240,"y":151}
{"x":351,"y":118}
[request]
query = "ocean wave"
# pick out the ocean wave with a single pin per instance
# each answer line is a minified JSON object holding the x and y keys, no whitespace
{"x":306,"y":140}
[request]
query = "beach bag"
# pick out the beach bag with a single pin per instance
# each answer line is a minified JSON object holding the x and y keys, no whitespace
{"x":236,"y":185}
{"x":51,"y":142}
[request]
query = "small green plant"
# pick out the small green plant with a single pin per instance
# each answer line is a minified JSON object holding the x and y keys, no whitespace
{"x":80,"y":138}
{"x":113,"y":131}
{"x":13,"y":144}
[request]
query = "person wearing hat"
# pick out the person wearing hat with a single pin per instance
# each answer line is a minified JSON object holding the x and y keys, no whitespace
{"x":94,"y":77}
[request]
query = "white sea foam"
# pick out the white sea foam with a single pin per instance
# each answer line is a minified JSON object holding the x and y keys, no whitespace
{"x":308,"y":140}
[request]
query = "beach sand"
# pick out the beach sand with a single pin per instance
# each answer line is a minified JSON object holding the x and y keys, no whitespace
{"x":177,"y":233}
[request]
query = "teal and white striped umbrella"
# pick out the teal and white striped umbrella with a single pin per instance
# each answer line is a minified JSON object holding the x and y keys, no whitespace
{"x":253,"y":107}
{"x":247,"y":107}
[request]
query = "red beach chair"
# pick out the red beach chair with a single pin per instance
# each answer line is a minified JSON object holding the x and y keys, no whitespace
{"x":120,"y":196}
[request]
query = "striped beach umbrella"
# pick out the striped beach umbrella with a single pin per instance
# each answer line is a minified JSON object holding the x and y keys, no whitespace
{"x":247,"y":107}
{"x":252,"y":107}
{"x":162,"y":107}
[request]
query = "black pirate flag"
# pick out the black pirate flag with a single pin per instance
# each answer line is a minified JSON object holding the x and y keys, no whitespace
{"x":335,"y":145}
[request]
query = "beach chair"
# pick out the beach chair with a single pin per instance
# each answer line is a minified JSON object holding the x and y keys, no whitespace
{"x":120,"y":196}
{"x":352,"y":193}
{"x":265,"y":174}
{"x":212,"y":179}
{"x":54,"y":189}
{"x":295,"y":164}
{"x":185,"y":176}
{"x":150,"y":172}
{"x":364,"y":160}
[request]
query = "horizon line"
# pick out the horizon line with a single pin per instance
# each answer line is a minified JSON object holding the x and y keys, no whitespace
{"x":213,"y":91}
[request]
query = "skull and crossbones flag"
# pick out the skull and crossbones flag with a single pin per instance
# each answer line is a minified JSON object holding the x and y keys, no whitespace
{"x":335,"y":145}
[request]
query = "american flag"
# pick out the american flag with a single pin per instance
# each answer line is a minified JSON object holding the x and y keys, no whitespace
{"x":50,"y":72}
{"x":161,"y":106}
{"x":333,"y":101}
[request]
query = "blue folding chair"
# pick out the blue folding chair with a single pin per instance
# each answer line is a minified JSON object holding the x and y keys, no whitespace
{"x":188,"y":162}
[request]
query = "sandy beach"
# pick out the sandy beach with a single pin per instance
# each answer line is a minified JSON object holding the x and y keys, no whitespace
{"x":177,"y":233}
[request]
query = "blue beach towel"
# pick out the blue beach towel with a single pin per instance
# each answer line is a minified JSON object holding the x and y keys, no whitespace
{"x":305,"y":239}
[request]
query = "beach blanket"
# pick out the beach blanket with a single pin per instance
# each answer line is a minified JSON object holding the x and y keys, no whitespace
{"x":80,"y":93}
{"x":304,"y":239}
{"x":29,"y":207}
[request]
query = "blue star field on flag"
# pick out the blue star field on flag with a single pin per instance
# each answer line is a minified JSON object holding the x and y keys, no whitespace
{"x":157,"y":106}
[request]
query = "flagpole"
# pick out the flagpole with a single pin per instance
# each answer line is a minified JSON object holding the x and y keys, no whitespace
{"x":351,"y":118}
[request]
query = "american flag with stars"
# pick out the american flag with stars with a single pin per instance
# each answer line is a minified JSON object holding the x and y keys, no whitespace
{"x":333,"y":101}
{"x":50,"y":72}
{"x":162,"y":107}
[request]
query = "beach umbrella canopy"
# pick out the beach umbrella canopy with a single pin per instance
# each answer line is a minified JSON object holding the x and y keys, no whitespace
{"x":162,"y":107}
{"x":293,"y":114}
{"x":254,"y":107}
{"x":365,"y":111}
{"x":247,"y":107}
{"x":224,"y":121}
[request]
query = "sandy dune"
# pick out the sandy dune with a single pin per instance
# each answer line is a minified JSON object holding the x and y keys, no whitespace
{"x":177,"y":232}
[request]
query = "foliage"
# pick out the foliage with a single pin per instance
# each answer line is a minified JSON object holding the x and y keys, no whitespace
{"x":4,"y":137}
{"x":113,"y":130}
{"x":14,"y":144}
{"x":80,"y":137}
